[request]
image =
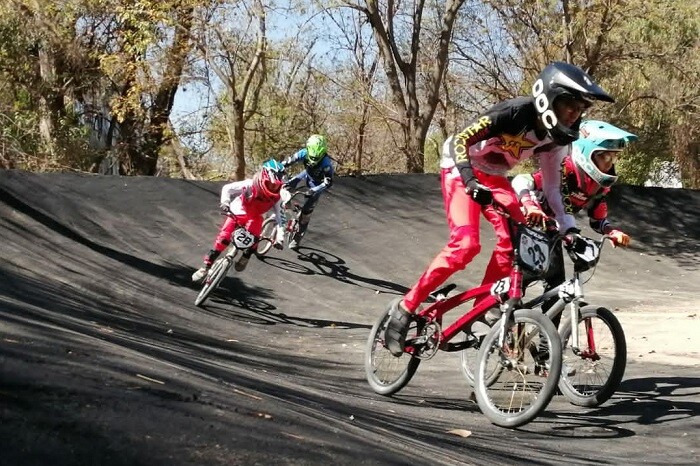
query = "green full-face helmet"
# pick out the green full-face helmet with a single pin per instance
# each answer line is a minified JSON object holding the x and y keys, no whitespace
{"x":316,"y":147}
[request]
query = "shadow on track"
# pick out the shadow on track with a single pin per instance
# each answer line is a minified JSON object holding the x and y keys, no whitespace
{"x":330,"y":265}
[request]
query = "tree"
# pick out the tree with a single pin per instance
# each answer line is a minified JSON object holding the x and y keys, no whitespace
{"x":645,"y":54}
{"x":407,"y":57}
{"x":356,"y":60}
{"x":237,"y":58}
{"x":144,"y":87}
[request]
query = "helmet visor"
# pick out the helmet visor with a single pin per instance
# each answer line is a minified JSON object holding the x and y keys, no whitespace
{"x":613,"y":144}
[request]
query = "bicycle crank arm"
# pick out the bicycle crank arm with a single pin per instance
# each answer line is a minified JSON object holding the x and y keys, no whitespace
{"x":422,"y":340}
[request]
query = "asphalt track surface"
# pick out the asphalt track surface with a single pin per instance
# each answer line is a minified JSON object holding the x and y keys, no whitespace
{"x":104,"y":359}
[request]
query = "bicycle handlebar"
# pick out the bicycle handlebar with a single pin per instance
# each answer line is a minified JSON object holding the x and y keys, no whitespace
{"x":503,"y":211}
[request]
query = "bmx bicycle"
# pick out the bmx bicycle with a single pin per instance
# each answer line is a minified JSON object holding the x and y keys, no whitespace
{"x":520,"y":358}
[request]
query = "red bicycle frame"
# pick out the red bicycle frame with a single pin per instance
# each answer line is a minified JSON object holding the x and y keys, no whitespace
{"x":512,"y":297}
{"x":436,"y":310}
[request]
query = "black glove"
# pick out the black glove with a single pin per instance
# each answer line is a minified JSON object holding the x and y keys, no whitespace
{"x":309,"y":193}
{"x":573,"y":241}
{"x":479,"y":193}
{"x":225,"y":208}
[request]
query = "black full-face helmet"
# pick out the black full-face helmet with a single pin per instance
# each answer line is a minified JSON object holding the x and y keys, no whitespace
{"x":563,"y":80}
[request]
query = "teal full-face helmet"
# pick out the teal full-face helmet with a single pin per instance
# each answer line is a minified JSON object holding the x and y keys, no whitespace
{"x":597,"y":136}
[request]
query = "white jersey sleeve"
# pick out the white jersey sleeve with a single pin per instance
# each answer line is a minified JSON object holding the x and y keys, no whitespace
{"x":551,"y":166}
{"x":231,"y":191}
{"x":523,"y":184}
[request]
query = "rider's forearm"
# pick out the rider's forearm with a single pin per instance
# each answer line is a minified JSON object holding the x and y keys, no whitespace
{"x":523,"y":185}
{"x":279,"y":213}
{"x":292,"y":159}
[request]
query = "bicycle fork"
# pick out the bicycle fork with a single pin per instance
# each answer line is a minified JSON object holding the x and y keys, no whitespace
{"x":575,"y":292}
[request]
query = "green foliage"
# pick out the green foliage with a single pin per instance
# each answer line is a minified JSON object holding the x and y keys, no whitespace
{"x":111,"y":56}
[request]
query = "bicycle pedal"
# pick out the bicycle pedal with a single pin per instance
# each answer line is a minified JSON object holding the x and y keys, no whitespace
{"x":421,"y":340}
{"x":459,"y":346}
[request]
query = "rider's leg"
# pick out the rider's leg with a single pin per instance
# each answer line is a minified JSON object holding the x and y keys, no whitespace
{"x":223,"y":239}
{"x":501,"y":261}
{"x":502,"y":257}
{"x":254,"y":225}
{"x":304,"y":219}
{"x":463,"y":245}
{"x":555,"y":277}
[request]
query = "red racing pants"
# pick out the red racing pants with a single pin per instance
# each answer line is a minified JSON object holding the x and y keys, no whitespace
{"x":463,"y":215}
{"x":252,"y":223}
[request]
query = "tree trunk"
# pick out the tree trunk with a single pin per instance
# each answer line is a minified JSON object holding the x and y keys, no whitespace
{"x":401,"y":70}
{"x":415,"y":143}
{"x":237,"y":145}
{"x":145,"y":160}
{"x":47,"y":72}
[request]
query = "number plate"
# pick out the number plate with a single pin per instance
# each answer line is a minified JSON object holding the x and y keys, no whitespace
{"x":533,"y":248}
{"x":500,"y":289}
{"x":242,"y":238}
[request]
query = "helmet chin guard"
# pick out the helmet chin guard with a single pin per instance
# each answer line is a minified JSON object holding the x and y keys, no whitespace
{"x":598,"y":136}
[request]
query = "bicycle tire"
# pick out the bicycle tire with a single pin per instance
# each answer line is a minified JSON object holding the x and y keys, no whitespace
{"x":504,"y":408}
{"x":469,"y":359}
{"x":589,"y":383}
{"x":268,"y":235}
{"x":386,"y":373}
{"x":218,"y":271}
{"x":291,"y":232}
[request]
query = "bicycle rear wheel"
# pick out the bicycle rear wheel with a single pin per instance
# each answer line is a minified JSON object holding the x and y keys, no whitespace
{"x":528,"y":367}
{"x":268,"y":235}
{"x":217,"y":273}
{"x":386,"y":373}
{"x":592,"y":376}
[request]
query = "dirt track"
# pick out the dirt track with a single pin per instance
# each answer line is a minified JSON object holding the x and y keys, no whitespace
{"x":105,"y":360}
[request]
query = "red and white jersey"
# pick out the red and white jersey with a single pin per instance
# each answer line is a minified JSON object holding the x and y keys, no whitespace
{"x":244,"y":200}
{"x":501,"y":138}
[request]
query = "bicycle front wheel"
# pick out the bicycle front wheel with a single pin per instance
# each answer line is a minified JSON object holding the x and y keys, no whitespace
{"x":217,"y":273}
{"x":469,"y":357}
{"x":268,"y":236}
{"x":386,"y":373}
{"x":291,"y":231}
{"x":592,"y":374}
{"x":527,"y":366}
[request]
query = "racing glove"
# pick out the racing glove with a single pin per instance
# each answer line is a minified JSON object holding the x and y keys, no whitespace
{"x":224,"y":207}
{"x":479,"y":193}
{"x":619,"y":238}
{"x":574,"y":241}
